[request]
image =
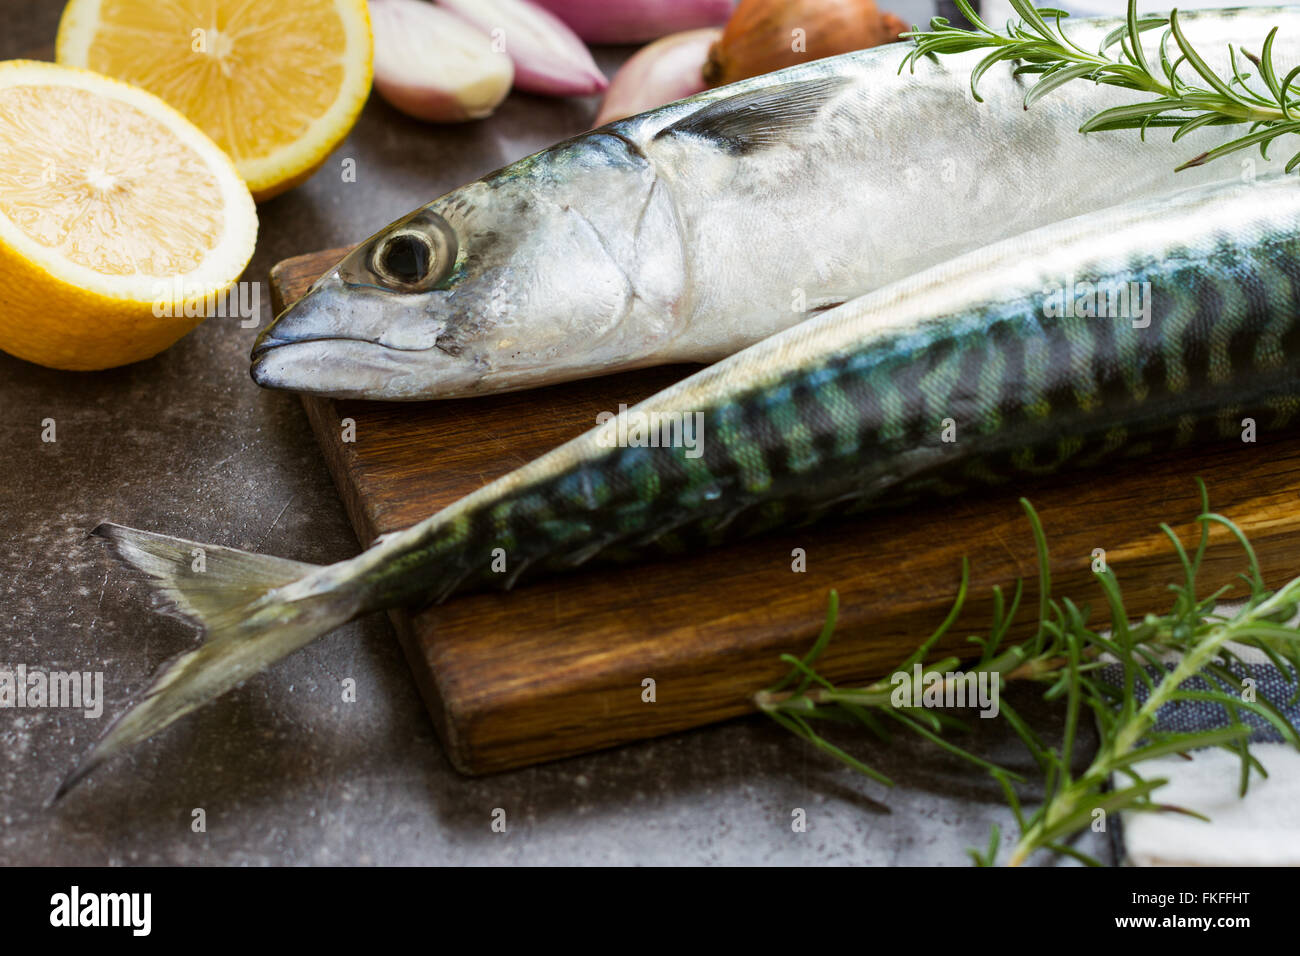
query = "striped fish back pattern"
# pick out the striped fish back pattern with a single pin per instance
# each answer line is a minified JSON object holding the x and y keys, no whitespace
{"x":1006,"y":390}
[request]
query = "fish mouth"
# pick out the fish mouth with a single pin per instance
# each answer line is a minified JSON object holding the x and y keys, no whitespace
{"x":335,"y":367}
{"x":268,"y":342}
{"x":337,"y":310}
{"x":344,"y":367}
{"x":343,"y":342}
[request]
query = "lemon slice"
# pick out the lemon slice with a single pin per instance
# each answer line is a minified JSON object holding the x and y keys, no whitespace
{"x":116,"y":213}
{"x":276,"y":83}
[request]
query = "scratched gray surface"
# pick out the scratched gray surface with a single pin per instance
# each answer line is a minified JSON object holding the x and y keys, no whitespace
{"x":285,"y":771}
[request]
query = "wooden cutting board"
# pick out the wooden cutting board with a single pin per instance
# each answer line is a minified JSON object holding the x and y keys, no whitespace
{"x":558,"y":667}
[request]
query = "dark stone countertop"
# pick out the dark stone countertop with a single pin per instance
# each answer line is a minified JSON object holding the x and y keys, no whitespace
{"x":286,"y":772}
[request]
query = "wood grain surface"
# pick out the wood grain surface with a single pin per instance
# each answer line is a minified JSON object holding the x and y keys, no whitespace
{"x":556,"y":668}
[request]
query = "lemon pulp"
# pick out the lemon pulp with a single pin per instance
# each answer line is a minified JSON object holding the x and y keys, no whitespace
{"x":116,"y":212}
{"x":275,"y":83}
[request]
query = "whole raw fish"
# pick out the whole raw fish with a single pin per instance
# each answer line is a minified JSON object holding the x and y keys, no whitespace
{"x":689,"y":232}
{"x":1150,"y":325}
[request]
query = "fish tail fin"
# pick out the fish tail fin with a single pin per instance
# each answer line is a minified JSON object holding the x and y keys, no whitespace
{"x":253,"y":608}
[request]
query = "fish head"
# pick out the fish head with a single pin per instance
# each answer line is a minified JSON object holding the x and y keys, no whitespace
{"x":563,"y":265}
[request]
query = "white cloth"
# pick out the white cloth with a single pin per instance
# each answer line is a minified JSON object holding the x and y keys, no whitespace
{"x":1261,"y":830}
{"x":997,"y":12}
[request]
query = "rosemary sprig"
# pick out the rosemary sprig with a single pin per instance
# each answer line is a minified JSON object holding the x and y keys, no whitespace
{"x":1039,"y":45}
{"x":1064,"y":655}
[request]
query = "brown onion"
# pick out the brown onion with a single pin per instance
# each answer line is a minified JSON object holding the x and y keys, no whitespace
{"x":767,"y":35}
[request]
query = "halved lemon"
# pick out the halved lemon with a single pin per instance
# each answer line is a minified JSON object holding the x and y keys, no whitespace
{"x":118,"y":216}
{"x":276,"y":83}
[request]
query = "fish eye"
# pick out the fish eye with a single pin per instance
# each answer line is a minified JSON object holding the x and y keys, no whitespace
{"x":404,"y":258}
{"x":416,"y":254}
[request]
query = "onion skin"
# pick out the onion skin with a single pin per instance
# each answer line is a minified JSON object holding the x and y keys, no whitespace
{"x":637,"y":21}
{"x":433,"y":66}
{"x":549,"y":58}
{"x":760,"y":36}
{"x":670,"y":69}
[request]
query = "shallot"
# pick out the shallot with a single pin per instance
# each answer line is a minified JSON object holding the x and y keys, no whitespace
{"x":433,"y":65}
{"x":549,"y":58}
{"x":668,"y":69}
{"x":637,"y":21}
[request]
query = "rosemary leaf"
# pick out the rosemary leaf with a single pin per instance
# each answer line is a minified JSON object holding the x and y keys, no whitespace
{"x":1064,"y":656}
{"x":1184,"y":99}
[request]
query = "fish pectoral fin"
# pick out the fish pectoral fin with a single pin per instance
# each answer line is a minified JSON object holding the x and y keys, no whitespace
{"x":756,"y":120}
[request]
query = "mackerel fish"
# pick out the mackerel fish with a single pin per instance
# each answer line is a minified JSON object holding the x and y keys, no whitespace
{"x":690,"y":232}
{"x":1152,"y":325}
